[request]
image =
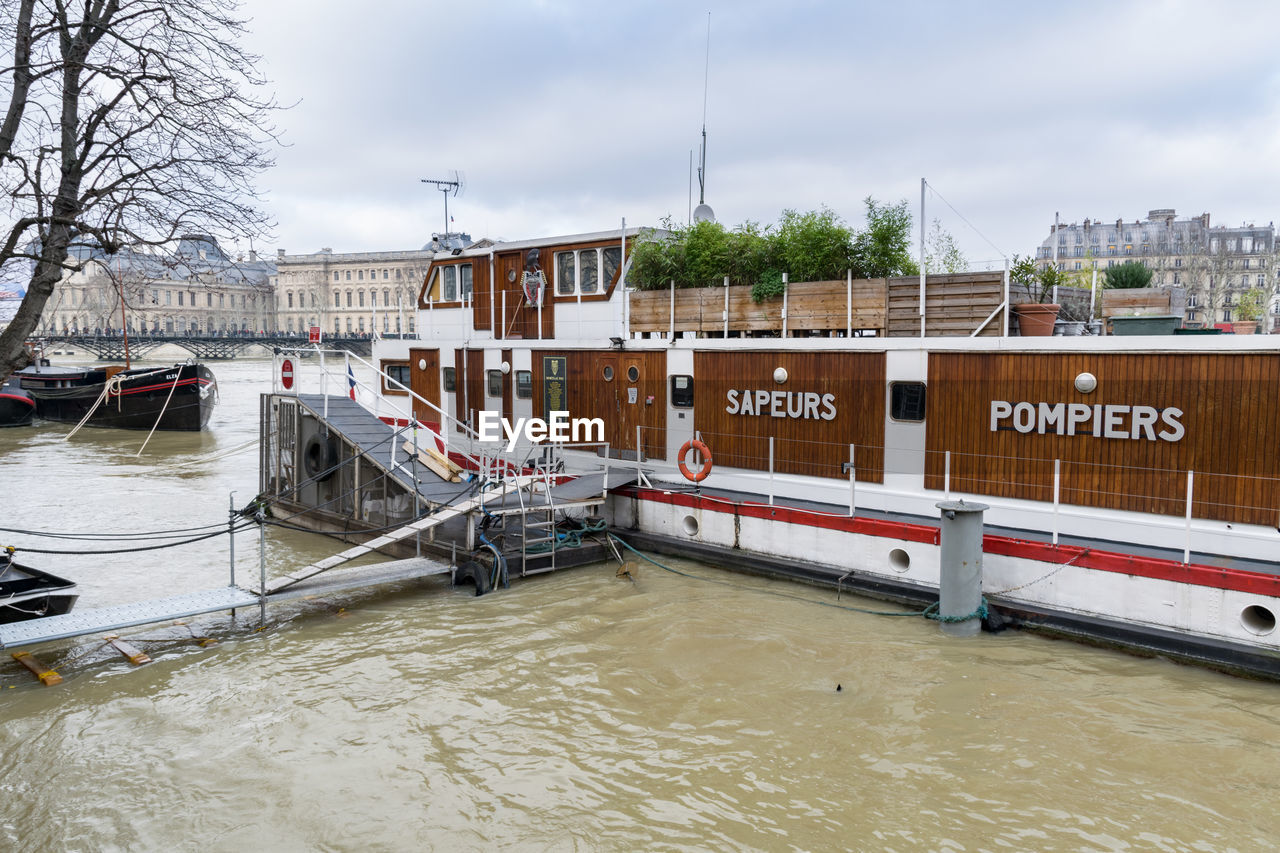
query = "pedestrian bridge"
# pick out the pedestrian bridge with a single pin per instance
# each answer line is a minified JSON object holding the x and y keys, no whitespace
{"x":204,"y":348}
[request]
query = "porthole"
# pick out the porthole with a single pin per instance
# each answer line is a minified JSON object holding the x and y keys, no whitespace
{"x":608,"y":373}
{"x":1258,"y":619}
{"x":899,"y":560}
{"x":690,"y":525}
{"x":633,"y":373}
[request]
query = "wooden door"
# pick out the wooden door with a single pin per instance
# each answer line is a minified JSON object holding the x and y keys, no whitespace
{"x":460,"y":385}
{"x":424,"y":380}
{"x":475,"y":385}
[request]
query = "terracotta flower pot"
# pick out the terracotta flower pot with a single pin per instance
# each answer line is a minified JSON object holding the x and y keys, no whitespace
{"x":1036,"y":319}
{"x":1245,"y":327}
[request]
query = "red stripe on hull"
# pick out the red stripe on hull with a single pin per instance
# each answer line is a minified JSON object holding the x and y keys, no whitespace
{"x":1157,"y":568}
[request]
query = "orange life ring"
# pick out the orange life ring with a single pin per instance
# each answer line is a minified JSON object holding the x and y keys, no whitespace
{"x":697,"y":445}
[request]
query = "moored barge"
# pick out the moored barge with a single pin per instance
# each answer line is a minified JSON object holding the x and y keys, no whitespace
{"x":1132,"y":481}
{"x":177,"y":397}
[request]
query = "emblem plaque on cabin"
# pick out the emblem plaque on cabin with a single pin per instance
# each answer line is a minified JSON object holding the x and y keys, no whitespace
{"x":555,"y":387}
{"x":533,"y":282}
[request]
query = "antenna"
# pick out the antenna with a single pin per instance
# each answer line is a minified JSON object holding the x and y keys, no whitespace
{"x":449,"y":186}
{"x":703,"y":212}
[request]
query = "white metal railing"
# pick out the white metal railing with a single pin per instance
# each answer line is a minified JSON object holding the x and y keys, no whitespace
{"x":765,"y":463}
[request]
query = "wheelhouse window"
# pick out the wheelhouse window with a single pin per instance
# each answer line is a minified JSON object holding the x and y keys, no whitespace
{"x":524,"y":384}
{"x":451,"y":283}
{"x":450,"y":380}
{"x":586,"y":272}
{"x":494,"y":378}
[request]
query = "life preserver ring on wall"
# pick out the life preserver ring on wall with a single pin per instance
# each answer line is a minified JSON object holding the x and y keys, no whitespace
{"x":697,"y":445}
{"x":320,"y":457}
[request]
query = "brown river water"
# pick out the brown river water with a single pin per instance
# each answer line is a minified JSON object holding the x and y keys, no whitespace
{"x":576,"y":711}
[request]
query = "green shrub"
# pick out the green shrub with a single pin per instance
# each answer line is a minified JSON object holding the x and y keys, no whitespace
{"x":1128,"y":275}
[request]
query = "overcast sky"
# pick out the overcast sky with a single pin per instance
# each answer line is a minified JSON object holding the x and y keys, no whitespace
{"x":567,"y":116}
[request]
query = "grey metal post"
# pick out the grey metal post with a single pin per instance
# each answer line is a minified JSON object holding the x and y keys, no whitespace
{"x":231,"y":533}
{"x":853,"y":483}
{"x":262,"y":572}
{"x":417,"y":537}
{"x":1191,"y":482}
{"x":770,"y":470}
{"x":960,"y":576}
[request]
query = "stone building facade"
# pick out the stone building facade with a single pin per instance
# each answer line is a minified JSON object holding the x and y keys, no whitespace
{"x":1218,"y":265}
{"x":355,"y":293}
{"x":196,"y":290}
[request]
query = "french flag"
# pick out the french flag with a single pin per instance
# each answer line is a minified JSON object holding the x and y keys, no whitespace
{"x":351,"y":382}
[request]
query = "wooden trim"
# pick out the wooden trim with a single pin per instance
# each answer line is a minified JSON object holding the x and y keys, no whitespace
{"x":383,"y":364}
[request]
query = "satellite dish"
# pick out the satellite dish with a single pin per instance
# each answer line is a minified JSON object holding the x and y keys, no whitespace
{"x":704,"y":213}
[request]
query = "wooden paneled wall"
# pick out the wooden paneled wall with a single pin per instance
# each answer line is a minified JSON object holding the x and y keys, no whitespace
{"x":812,"y":446}
{"x":1231,"y":417}
{"x":590,"y":395}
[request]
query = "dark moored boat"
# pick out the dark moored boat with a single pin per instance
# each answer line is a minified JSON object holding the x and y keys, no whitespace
{"x":180,"y":397}
{"x":16,"y":406}
{"x":27,"y":593}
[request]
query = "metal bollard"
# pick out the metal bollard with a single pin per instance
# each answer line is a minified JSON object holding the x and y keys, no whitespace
{"x":960,"y":576}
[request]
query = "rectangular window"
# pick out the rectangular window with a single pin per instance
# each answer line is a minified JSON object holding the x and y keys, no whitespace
{"x":450,"y":380}
{"x":494,"y":378}
{"x":348,"y":275}
{"x":566,"y":274}
{"x":907,"y":401}
{"x":180,"y":295}
{"x":208,"y":300}
{"x":359,"y":275}
{"x":612,"y":260}
{"x":373,"y":275}
{"x":337,"y":327}
{"x":335,"y":275}
{"x":348,"y":301}
{"x":361,"y":296}
{"x":337,"y":299}
{"x":398,"y":371}
{"x":397,"y":274}
{"x":524,"y":384}
{"x":290,"y":298}
{"x":386,"y":274}
{"x":449,"y":277}
{"x":348,"y":325}
{"x":464,"y":280}
{"x":588,"y":271}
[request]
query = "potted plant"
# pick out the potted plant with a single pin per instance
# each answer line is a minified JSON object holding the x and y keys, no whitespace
{"x":1141,"y":318}
{"x":1248,"y":310}
{"x":1037,"y":314}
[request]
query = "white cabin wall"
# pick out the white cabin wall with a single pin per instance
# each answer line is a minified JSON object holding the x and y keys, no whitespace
{"x":904,"y":443}
{"x":586,"y":321}
{"x":679,"y":421}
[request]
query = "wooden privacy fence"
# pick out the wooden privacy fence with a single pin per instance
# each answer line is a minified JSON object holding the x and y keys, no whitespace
{"x":957,"y":305}
{"x":1143,"y":301}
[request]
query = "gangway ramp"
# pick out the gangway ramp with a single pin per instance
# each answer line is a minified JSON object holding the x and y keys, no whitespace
{"x":415,"y":527}
{"x":116,"y":617}
{"x":376,"y":438}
